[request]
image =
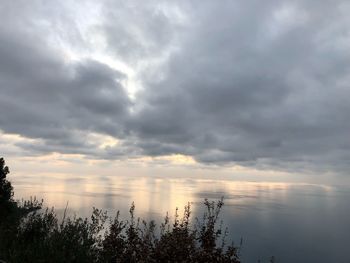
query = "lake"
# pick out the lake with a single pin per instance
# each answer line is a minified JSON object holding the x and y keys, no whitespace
{"x":293,"y":222}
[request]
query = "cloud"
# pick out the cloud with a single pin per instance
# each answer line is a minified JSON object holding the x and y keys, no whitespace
{"x":257,"y":84}
{"x":57,"y":102}
{"x":240,"y":92}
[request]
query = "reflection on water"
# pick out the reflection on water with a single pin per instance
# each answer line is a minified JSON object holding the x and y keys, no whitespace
{"x":293,"y":222}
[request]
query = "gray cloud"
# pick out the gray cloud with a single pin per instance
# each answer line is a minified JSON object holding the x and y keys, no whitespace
{"x":137,"y":32}
{"x":260,"y":84}
{"x":263,"y":85}
{"x":57,"y":102}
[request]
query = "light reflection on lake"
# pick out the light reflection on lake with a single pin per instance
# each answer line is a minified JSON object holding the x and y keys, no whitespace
{"x":293,"y":222}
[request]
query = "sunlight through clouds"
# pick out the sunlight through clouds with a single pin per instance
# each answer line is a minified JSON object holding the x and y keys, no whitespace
{"x":260,"y":85}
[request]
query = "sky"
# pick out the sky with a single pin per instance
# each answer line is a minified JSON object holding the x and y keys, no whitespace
{"x":214,"y":87}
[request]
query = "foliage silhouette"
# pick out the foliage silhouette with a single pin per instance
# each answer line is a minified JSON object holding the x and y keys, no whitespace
{"x":6,"y":189}
{"x":28,"y":234}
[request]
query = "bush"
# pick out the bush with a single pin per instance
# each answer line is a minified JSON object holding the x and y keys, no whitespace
{"x":11,"y":213}
{"x":37,"y":236}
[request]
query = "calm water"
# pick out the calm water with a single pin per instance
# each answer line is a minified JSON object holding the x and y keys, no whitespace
{"x":293,"y":222}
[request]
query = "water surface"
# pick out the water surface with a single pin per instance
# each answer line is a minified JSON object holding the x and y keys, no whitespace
{"x":293,"y":222}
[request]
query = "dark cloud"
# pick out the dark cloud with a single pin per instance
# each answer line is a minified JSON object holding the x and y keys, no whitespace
{"x":59,"y":103}
{"x":259,"y":84}
{"x":254,"y":84}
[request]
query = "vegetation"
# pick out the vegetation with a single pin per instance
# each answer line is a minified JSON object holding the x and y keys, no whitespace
{"x":29,"y":234}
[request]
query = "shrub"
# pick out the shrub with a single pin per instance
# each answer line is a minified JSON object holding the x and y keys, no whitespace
{"x":28,"y":234}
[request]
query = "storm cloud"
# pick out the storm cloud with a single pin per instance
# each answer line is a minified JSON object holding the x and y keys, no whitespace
{"x":262,"y":84}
